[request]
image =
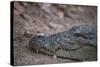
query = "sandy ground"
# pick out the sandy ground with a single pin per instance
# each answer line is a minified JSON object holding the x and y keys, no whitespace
{"x":31,"y":19}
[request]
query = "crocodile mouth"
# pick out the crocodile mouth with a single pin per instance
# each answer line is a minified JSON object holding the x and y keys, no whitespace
{"x":47,"y":49}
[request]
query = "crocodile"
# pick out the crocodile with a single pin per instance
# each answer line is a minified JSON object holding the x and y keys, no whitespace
{"x":68,"y":44}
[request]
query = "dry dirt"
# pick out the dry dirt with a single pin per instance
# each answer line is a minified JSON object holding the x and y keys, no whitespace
{"x":31,"y":19}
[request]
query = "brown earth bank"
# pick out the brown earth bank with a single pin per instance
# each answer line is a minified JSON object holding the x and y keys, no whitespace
{"x":32,"y":19}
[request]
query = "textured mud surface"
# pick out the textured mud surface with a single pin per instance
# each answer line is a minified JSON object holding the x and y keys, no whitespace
{"x":32,"y":19}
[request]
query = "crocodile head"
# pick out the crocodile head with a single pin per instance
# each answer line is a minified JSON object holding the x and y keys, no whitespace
{"x":41,"y":44}
{"x":37,"y":43}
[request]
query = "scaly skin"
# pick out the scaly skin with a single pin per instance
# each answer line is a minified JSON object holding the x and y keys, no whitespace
{"x":72,"y":40}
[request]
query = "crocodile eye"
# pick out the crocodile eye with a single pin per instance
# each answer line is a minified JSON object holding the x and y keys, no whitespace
{"x":39,"y":36}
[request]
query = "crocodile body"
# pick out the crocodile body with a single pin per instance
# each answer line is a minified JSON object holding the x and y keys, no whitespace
{"x":67,"y":42}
